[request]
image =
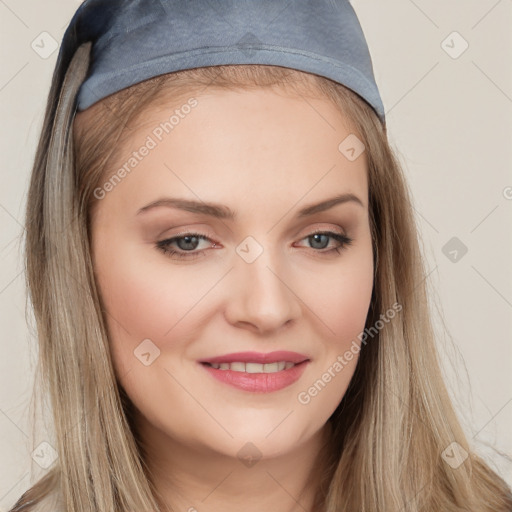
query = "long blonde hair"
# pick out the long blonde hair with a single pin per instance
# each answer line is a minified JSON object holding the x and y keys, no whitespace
{"x":393,"y":423}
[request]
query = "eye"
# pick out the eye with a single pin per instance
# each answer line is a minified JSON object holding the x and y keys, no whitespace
{"x":187,"y":244}
{"x":320,"y":240}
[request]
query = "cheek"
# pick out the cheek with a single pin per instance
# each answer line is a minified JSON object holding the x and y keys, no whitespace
{"x":340,"y":295}
{"x":340,"y":299}
{"x":344,"y":310}
{"x":146,"y":298}
{"x":345,"y":307}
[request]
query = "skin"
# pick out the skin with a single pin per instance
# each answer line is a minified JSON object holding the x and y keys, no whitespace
{"x":265,"y":154}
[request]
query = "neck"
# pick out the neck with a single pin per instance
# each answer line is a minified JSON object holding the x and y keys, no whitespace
{"x":193,"y":479}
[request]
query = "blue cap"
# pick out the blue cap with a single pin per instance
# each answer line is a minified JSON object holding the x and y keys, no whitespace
{"x":134,"y":40}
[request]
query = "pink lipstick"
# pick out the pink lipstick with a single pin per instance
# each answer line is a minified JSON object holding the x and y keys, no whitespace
{"x":256,"y":371}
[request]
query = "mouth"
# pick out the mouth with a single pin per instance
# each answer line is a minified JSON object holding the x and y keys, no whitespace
{"x":257,"y":372}
{"x":239,"y":366}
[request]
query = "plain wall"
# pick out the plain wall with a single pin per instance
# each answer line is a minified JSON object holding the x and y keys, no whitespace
{"x":450,"y":119}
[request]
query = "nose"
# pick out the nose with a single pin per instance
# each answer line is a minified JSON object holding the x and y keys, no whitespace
{"x":262,"y":297}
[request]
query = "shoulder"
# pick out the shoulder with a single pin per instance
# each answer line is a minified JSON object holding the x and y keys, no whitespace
{"x":43,"y":496}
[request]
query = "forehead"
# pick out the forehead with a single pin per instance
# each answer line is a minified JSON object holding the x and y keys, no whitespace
{"x":258,"y":142}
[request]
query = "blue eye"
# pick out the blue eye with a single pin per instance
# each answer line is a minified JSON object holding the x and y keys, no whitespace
{"x":321,"y":236}
{"x":184,"y":242}
{"x":188,"y":242}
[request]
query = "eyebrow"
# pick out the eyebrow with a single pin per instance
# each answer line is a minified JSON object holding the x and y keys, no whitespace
{"x":220,"y":211}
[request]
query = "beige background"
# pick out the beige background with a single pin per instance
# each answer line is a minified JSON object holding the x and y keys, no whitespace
{"x":451,"y":121}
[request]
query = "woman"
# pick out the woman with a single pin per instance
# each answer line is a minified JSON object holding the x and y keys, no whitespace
{"x":226,"y":275}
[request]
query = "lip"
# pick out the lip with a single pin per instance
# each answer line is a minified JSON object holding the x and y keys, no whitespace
{"x":258,"y":357}
{"x":258,"y":382}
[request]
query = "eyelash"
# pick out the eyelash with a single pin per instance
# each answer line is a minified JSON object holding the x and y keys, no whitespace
{"x":163,"y":245}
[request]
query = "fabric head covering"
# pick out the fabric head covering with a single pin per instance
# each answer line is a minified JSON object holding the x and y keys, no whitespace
{"x":134,"y":40}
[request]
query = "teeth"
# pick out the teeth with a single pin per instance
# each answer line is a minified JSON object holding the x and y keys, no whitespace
{"x":237,"y":367}
{"x":253,"y":367}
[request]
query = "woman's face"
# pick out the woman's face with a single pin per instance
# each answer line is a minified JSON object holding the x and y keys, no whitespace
{"x":254,"y":173}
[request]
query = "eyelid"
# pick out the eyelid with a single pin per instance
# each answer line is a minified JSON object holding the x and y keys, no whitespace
{"x":192,"y":230}
{"x":179,"y":254}
{"x":311,"y":231}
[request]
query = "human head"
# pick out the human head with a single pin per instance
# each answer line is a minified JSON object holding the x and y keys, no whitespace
{"x":262,"y":152}
{"x":387,"y":201}
{"x":396,"y":385}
